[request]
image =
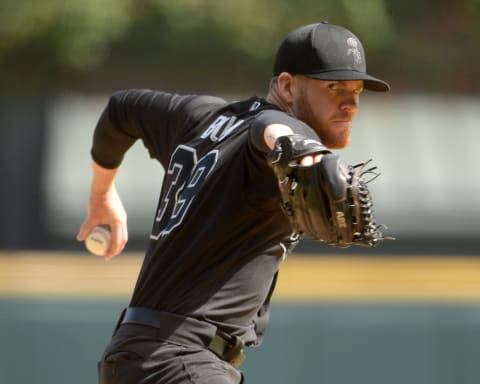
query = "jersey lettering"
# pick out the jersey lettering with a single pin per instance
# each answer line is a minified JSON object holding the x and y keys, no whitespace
{"x":221,"y":128}
{"x":185,"y":175}
{"x":256,"y":104}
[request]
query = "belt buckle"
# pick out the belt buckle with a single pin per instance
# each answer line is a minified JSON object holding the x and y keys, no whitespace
{"x":233,"y":349}
{"x":237,"y":360}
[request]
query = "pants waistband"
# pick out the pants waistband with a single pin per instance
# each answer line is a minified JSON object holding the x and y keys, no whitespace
{"x":187,"y":330}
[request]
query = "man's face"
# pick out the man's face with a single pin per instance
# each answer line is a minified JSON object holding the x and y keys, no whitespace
{"x":328,"y":107}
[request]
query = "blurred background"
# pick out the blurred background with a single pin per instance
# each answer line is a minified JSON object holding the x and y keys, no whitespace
{"x":407,"y":311}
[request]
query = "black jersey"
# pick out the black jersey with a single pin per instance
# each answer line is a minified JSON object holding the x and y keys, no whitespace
{"x":218,"y":236}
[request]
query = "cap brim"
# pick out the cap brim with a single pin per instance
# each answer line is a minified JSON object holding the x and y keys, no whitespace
{"x":369,"y":82}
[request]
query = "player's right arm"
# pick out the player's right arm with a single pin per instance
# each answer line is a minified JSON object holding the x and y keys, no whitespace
{"x":158,"y":119}
{"x":105,"y":207}
{"x":119,"y":126}
{"x":116,"y":131}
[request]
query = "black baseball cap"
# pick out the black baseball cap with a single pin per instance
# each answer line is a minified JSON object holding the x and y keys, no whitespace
{"x":327,"y":52}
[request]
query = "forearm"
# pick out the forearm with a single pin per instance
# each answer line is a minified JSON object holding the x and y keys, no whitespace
{"x":271,"y":124}
{"x":103,"y":179}
{"x":104,"y":203}
{"x":105,"y":208}
{"x":274,"y":131}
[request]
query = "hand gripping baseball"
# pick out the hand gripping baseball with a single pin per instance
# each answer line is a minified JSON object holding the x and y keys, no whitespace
{"x":105,"y":209}
{"x":329,"y":201}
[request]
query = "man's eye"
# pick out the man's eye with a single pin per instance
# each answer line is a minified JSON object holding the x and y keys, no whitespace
{"x":333,"y":86}
{"x":358,"y":91}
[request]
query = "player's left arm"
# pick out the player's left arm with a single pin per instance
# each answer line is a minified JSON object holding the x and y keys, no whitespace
{"x":327,"y":199}
{"x":273,"y":131}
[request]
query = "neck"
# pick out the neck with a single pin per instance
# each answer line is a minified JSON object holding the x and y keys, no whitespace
{"x":276,"y":99}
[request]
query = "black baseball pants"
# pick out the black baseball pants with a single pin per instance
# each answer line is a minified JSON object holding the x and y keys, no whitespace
{"x":139,"y":354}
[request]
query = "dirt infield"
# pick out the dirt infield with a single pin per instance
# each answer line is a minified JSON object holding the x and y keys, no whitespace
{"x":302,"y":277}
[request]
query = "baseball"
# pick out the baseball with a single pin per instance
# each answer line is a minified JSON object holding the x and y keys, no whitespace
{"x":98,"y":240}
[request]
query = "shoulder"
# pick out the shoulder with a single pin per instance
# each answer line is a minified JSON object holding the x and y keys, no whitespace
{"x":273,"y":116}
{"x":201,"y":104}
{"x":152,"y":98}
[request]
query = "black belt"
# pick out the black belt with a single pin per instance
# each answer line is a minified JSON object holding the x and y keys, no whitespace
{"x":187,"y":330}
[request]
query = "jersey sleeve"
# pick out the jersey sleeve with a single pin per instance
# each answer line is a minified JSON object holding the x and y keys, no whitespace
{"x":159,"y":119}
{"x":268,"y":117}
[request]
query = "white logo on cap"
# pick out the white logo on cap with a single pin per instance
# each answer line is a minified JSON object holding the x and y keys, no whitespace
{"x":353,"y":50}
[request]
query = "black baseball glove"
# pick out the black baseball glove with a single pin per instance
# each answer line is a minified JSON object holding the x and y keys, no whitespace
{"x":328,"y":201}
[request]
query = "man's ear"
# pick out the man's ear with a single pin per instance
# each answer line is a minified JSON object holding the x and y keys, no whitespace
{"x":285,"y":85}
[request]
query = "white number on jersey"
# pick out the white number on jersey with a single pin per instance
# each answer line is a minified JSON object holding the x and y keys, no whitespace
{"x":184,"y":177}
